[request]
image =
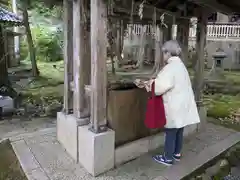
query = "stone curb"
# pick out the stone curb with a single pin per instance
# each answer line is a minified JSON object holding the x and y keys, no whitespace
{"x":28,"y":162}
{"x":193,"y":163}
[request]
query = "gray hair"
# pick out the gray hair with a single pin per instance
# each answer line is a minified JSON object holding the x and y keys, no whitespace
{"x":172,"y":47}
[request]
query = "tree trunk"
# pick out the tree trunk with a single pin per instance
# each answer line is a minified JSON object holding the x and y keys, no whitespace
{"x":3,"y":65}
{"x":16,"y":38}
{"x":31,"y":47}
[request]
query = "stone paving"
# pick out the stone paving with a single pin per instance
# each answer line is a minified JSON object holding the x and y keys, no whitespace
{"x":43,"y":158}
{"x":15,"y":127}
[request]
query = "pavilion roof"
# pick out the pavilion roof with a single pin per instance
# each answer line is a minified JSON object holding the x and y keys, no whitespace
{"x":8,"y":17}
{"x":223,"y":6}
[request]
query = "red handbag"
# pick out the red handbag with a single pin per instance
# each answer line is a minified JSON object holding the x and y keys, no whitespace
{"x":155,"y":113}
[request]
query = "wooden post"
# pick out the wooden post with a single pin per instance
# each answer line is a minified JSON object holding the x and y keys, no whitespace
{"x":122,"y":36}
{"x":68,"y":55}
{"x":3,"y":66}
{"x":79,"y":67}
{"x":200,"y":43}
{"x":119,"y":40}
{"x":98,"y":64}
{"x":185,"y":41}
{"x":16,"y":38}
{"x":161,"y":41}
{"x":183,"y":37}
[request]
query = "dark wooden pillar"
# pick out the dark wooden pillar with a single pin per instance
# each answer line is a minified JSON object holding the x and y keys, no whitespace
{"x":98,"y":64}
{"x":183,"y":37}
{"x":80,"y":68}
{"x":119,"y":39}
{"x":200,"y":46}
{"x":3,"y":64}
{"x":68,"y":55}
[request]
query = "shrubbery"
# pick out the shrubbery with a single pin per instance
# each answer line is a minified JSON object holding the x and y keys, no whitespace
{"x":47,"y":44}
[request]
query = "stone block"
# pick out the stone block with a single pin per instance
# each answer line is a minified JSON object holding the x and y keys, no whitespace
{"x":67,"y":132}
{"x":131,"y":150}
{"x":37,"y":174}
{"x":7,"y":104}
{"x":25,"y":157}
{"x":96,"y":151}
{"x":188,"y":130}
{"x":203,"y":117}
{"x":156,"y":141}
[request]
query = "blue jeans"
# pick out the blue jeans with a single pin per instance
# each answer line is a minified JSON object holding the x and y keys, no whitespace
{"x":173,"y":142}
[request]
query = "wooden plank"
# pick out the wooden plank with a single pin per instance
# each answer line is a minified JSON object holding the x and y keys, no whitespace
{"x":98,"y":64}
{"x":214,"y":6}
{"x":80,"y":73}
{"x":68,"y":55}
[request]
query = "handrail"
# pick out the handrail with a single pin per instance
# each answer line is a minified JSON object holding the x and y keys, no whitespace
{"x":214,"y":30}
{"x":219,"y":31}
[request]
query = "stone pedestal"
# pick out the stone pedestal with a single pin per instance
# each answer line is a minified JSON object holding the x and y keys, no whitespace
{"x":67,"y":132}
{"x":96,"y":151}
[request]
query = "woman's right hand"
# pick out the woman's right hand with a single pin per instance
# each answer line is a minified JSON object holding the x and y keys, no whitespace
{"x":139,"y":83}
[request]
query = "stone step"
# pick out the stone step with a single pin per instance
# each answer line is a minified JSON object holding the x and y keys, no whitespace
{"x":194,"y":162}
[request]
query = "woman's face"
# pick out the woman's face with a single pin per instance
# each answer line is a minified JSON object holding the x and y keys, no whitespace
{"x":166,"y":56}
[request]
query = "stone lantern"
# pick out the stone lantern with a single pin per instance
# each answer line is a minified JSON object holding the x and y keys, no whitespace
{"x":217,"y":70}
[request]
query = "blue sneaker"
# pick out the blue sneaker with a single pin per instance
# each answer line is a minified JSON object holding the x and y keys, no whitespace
{"x":176,"y":158}
{"x":162,"y":160}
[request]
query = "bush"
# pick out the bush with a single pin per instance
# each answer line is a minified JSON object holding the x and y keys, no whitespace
{"x":222,"y":106}
{"x":23,"y":48}
{"x":48,"y":45}
{"x":219,"y":111}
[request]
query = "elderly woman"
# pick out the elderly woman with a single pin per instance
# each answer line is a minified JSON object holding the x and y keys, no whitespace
{"x":173,"y":82}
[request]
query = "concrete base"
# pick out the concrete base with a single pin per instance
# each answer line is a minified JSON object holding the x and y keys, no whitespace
{"x":96,"y":151}
{"x":137,"y":148}
{"x":67,"y":132}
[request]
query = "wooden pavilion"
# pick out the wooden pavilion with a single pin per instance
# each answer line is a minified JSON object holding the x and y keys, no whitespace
{"x":7,"y":19}
{"x":101,"y":125}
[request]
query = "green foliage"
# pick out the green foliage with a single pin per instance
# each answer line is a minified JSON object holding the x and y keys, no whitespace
{"x":43,"y":10}
{"x":222,"y":106}
{"x":47,"y":44}
{"x":23,"y":48}
{"x":219,"y":110}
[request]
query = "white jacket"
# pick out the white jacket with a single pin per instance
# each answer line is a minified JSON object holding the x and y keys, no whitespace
{"x":173,"y":82}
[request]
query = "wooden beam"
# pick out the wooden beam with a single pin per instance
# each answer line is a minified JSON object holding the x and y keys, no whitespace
{"x":79,"y":67}
{"x":213,"y":5}
{"x":98,"y":64}
{"x":68,"y":55}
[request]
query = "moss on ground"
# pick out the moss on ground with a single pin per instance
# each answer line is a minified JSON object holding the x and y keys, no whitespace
{"x":10,"y":168}
{"x":221,"y":106}
{"x":48,"y":86}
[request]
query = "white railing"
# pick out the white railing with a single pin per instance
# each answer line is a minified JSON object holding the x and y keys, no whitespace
{"x":215,"y":31}
{"x":139,"y":29}
{"x":219,"y":31}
